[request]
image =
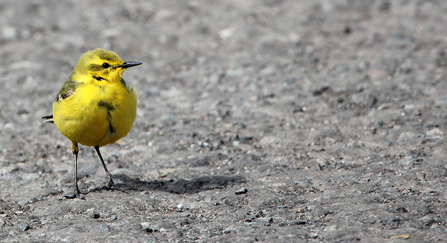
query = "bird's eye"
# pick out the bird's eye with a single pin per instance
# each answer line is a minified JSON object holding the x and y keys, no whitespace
{"x":105,"y":65}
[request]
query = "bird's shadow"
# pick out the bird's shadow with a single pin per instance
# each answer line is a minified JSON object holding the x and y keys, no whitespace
{"x":180,"y":186}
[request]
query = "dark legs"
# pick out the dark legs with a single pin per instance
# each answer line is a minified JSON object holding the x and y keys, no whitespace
{"x":111,"y":183}
{"x":76,"y":192}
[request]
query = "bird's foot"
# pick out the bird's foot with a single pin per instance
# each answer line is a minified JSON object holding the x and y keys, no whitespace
{"x":76,"y":194}
{"x":109,"y":187}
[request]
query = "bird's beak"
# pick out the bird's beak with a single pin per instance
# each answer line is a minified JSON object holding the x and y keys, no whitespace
{"x":129,"y":64}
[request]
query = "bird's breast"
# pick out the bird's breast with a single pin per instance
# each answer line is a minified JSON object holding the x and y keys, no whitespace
{"x":96,"y":115}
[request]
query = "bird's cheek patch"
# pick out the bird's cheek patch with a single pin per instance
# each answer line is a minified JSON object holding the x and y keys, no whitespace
{"x":95,"y":67}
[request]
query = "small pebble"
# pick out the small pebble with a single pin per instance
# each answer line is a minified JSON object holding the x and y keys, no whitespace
{"x":298,"y":222}
{"x":112,"y":218}
{"x":104,"y":228}
{"x":241,"y":191}
{"x":249,"y":218}
{"x":9,"y":33}
{"x":23,"y":226}
{"x":182,"y":208}
{"x":299,"y":109}
{"x":145,"y":225}
{"x":288,"y":81}
{"x":226,"y":33}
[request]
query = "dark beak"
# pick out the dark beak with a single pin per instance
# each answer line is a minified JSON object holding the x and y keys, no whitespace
{"x":129,"y":64}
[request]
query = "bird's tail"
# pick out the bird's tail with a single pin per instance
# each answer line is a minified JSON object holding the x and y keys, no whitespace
{"x":48,"y":119}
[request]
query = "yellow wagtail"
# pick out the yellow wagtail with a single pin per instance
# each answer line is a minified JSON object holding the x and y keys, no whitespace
{"x":95,"y":107}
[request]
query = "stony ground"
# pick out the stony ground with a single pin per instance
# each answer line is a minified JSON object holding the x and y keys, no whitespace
{"x":271,"y":121}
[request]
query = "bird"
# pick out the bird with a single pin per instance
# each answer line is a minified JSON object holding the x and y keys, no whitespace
{"x":95,"y":107}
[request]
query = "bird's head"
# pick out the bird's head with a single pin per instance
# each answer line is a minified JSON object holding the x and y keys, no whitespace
{"x":102,"y":65}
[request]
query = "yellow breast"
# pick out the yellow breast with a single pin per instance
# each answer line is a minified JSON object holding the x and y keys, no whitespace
{"x":96,"y":115}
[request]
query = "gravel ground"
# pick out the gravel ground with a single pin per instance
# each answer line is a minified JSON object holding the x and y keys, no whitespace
{"x":271,"y":121}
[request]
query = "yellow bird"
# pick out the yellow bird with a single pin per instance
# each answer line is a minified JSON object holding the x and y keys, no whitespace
{"x":95,"y":107}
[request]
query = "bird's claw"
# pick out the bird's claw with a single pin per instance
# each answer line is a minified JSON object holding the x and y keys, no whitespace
{"x":76,"y":194}
{"x":109,"y":187}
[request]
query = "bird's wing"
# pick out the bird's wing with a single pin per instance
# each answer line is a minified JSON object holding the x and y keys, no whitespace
{"x":67,"y":89}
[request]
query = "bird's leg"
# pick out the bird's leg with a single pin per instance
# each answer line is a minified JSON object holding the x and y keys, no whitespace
{"x":111,"y":184}
{"x":77,"y":192}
